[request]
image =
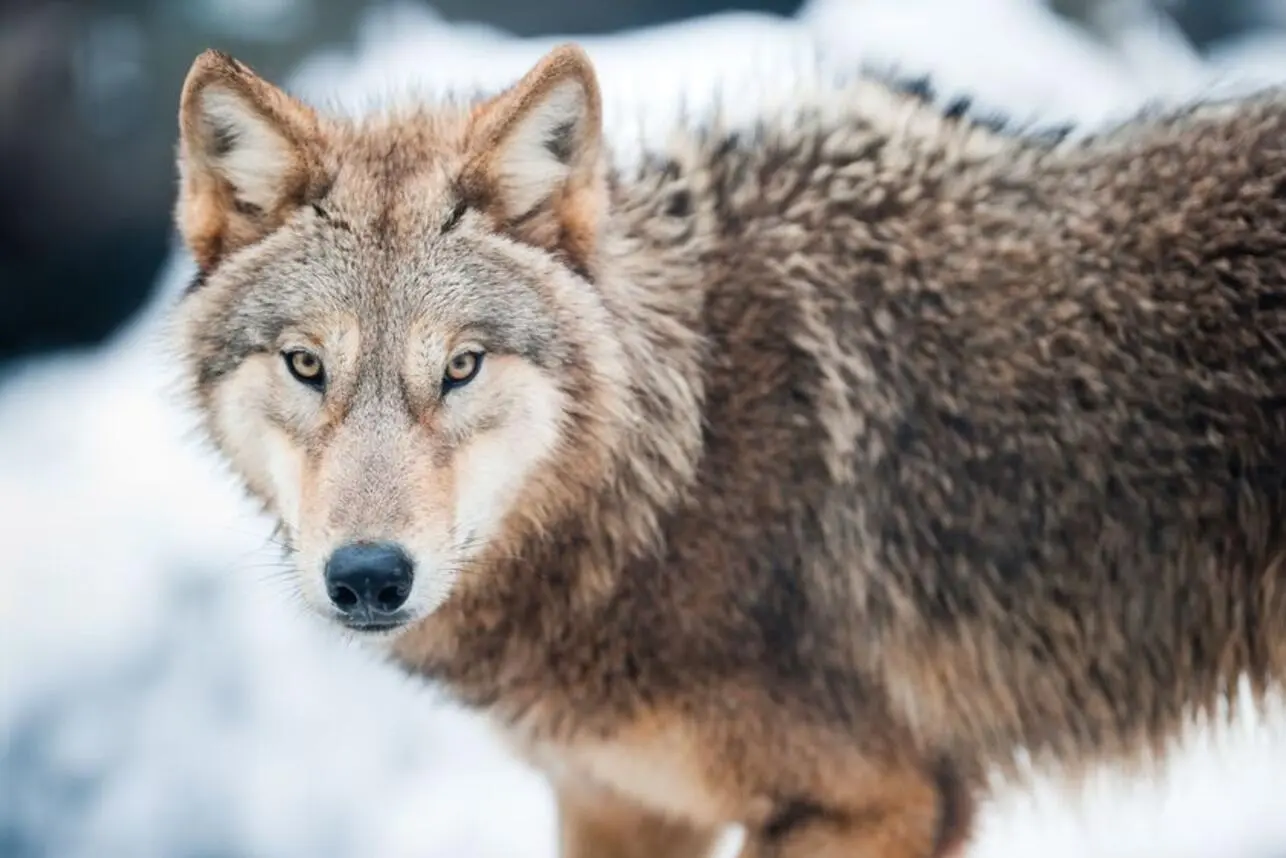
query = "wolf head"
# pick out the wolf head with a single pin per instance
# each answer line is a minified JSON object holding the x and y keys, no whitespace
{"x":395,"y":335}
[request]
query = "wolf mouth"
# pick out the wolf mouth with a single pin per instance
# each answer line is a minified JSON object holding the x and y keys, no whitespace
{"x":373,"y":626}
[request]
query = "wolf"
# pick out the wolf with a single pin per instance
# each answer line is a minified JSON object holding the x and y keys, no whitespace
{"x":796,"y":477}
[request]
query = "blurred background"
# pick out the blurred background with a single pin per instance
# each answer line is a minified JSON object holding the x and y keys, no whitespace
{"x":88,"y":90}
{"x":160,"y":694}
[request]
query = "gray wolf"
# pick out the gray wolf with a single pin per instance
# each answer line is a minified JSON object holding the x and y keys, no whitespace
{"x":796,"y":478}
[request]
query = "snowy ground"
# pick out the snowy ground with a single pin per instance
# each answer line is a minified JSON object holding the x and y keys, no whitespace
{"x":162,"y":697}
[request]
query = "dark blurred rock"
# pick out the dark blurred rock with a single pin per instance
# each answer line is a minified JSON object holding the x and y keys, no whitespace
{"x":1204,"y":22}
{"x":88,"y":90}
{"x":577,"y":17}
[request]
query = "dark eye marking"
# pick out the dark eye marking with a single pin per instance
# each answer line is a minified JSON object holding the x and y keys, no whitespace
{"x":338,"y":223}
{"x":453,"y":219}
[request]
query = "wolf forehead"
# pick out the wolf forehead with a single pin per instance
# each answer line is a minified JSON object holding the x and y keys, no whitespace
{"x":394,"y":174}
{"x":315,"y":279}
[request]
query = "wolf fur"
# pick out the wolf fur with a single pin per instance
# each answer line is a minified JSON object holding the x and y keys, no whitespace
{"x":812,"y":469}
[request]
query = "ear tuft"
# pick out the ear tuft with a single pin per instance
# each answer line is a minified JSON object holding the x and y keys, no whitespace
{"x":248,"y":155}
{"x":541,"y":150}
{"x":536,"y":161}
{"x":251,"y":155}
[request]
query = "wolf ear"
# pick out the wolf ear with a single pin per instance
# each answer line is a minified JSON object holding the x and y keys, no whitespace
{"x":248,"y":155}
{"x":535,"y":157}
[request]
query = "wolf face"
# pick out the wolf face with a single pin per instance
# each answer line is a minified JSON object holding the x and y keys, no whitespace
{"x":395,"y":335}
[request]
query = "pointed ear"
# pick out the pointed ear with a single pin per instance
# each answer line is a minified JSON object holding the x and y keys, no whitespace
{"x":248,"y":155}
{"x":535,"y":157}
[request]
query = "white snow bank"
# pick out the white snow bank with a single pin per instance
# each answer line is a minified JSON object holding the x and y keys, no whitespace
{"x":162,"y":696}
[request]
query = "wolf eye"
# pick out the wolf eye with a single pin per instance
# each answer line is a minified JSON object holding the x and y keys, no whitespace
{"x":305,"y":367}
{"x":461,"y":370}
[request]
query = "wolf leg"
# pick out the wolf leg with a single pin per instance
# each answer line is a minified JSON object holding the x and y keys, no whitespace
{"x":594,"y":823}
{"x":905,"y":815}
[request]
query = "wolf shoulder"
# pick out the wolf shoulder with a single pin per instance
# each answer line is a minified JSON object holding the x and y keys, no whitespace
{"x":1068,"y":331}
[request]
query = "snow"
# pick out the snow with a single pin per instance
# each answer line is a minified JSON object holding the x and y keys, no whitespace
{"x":162,"y":695}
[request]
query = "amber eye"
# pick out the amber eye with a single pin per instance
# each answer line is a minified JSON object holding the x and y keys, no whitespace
{"x":461,"y":369}
{"x":305,"y":367}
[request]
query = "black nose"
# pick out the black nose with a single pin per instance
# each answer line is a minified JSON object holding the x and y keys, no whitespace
{"x":368,"y":581}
